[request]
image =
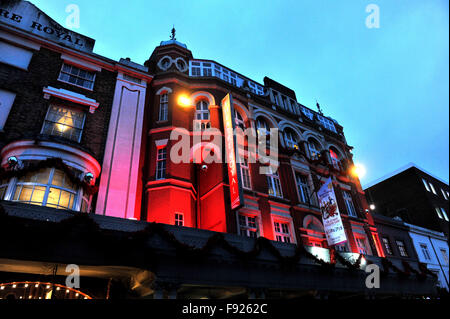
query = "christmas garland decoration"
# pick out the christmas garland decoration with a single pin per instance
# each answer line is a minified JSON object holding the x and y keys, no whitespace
{"x":83,"y":224}
{"x":53,"y":162}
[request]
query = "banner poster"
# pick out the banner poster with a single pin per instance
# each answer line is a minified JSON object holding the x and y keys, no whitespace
{"x":332,"y":223}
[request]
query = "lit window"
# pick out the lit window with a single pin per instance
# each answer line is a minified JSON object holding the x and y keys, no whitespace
{"x":179,"y":220}
{"x":76,"y":76}
{"x":444,"y":194}
{"x":64,"y":122}
{"x":163,"y":107}
{"x":387,"y":246}
{"x":349,"y":204}
{"x":314,"y":149}
{"x":303,"y":188}
{"x":263,"y":130}
{"x":47,"y":187}
{"x":274,"y":185}
{"x":290,"y":139}
{"x":245,"y":174}
{"x":401,"y":248}
{"x":426,"y":185}
{"x":444,"y":214}
{"x":438,"y":212}
{"x":432,"y":189}
{"x":161,"y":163}
{"x":282,"y":233}
{"x":425,"y":252}
{"x":248,"y":225}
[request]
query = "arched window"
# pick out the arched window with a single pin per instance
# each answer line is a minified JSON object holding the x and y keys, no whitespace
{"x":202,"y":120}
{"x":49,"y":187}
{"x":315,"y":231}
{"x":335,"y":159}
{"x":163,"y":107}
{"x":291,"y":139}
{"x":314,"y":148}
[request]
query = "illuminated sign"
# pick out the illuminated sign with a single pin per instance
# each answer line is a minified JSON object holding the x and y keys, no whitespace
{"x":332,"y":223}
{"x":234,"y":175}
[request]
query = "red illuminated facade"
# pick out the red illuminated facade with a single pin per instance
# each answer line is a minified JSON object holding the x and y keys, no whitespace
{"x":281,"y":206}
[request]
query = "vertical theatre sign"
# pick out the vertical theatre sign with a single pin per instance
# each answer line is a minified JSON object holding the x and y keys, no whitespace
{"x":234,"y":177}
{"x":332,"y":223}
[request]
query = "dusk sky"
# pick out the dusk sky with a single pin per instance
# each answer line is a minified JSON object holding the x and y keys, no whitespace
{"x":387,"y":86}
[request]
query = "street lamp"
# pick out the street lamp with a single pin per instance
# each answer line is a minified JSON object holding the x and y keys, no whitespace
{"x":184,"y":100}
{"x":358,"y":170}
{"x":372,"y":206}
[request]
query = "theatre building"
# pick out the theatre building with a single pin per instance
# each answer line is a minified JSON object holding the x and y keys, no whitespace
{"x":89,"y":177}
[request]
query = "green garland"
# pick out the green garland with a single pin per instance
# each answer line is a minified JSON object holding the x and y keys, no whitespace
{"x":52,"y":162}
{"x":144,"y":255}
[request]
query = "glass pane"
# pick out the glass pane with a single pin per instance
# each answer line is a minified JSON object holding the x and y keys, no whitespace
{"x":58,"y":177}
{"x":17,"y":192}
{"x":25,"y":195}
{"x":38,"y":194}
{"x":53,"y":197}
{"x":65,"y":199}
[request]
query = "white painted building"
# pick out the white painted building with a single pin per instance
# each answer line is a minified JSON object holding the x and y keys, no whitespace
{"x":432,"y":250}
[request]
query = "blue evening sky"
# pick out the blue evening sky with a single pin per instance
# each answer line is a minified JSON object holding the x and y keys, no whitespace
{"x":388,"y":87}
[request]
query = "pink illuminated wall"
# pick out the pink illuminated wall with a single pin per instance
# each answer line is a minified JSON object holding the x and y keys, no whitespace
{"x":120,"y":169}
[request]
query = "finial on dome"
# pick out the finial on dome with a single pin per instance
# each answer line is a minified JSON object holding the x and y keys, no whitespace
{"x":172,"y":37}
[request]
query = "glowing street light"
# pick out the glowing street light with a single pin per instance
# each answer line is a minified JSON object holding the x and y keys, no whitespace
{"x":372,"y":206}
{"x":358,"y":170}
{"x":184,"y":100}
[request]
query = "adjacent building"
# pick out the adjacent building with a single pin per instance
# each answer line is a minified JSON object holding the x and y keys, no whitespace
{"x":417,"y":197}
{"x":432,"y":250}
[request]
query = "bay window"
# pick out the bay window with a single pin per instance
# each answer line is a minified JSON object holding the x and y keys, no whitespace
{"x":49,"y":187}
{"x":64,"y":122}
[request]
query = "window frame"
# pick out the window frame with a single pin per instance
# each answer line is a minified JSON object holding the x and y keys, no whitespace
{"x":163,"y":107}
{"x":425,"y":252}
{"x":279,"y":232}
{"x":67,"y":108}
{"x":301,"y":188}
{"x":177,"y":220}
{"x":349,"y":205}
{"x":402,"y":248}
{"x":162,"y":161}
{"x":273,"y":179}
{"x":78,"y":77}
{"x":48,"y":186}
{"x":247,"y":228}
{"x":387,"y":245}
